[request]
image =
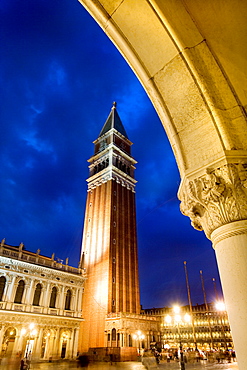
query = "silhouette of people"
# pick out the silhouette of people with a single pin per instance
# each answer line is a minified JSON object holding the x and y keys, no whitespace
{"x":83,"y":361}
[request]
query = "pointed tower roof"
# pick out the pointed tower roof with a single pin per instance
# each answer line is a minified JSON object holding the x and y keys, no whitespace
{"x":113,"y":121}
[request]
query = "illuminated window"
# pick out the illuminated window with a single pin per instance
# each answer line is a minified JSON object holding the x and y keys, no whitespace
{"x":68,"y":300}
{"x":2,"y":286}
{"x":114,"y":334}
{"x":53,"y":297}
{"x":19,"y":292}
{"x":37,"y":295}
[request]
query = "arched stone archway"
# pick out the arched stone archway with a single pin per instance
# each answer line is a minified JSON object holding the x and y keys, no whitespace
{"x":191,"y":61}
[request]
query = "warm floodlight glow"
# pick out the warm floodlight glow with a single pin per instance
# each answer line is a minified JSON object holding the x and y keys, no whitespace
{"x":31,"y":326}
{"x":177,"y":318}
{"x":23,"y":331}
{"x":187,"y":317}
{"x":168,"y":319}
{"x":176,"y":309}
{"x":220,"y":306}
{"x":139,"y":335}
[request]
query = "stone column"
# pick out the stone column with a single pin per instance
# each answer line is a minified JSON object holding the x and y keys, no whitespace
{"x":75,"y":302}
{"x":79,"y":303}
{"x":1,"y":337}
{"x":69,"y":348}
{"x":75,"y":346}
{"x":11,"y":291}
{"x":56,"y":353}
{"x":37,"y":347}
{"x":28,"y":293}
{"x":216,"y":202}
{"x":61,"y":300}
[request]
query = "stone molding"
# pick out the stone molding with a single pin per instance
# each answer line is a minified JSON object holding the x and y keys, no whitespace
{"x":229,"y":230}
{"x":41,"y":273}
{"x":125,"y":182}
{"x":216,"y":198}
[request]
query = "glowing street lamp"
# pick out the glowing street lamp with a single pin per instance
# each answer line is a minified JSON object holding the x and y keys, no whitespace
{"x":139,"y":336}
{"x":177,"y":319}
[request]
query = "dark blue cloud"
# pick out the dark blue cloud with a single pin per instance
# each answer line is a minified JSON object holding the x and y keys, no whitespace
{"x":59,"y":75}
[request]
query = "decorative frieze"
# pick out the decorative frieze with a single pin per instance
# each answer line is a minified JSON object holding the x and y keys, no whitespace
{"x":216,"y":198}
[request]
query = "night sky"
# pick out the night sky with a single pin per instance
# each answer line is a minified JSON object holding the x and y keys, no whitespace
{"x":59,"y":76}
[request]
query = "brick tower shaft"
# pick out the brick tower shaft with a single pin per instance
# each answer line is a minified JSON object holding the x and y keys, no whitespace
{"x":109,"y":246}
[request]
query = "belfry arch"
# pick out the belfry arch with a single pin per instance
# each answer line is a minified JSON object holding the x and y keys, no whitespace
{"x":191,"y":60}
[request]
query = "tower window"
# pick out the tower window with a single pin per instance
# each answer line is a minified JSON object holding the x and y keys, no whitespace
{"x":114,"y":241}
{"x":114,"y":208}
{"x":114,"y":224}
{"x":113,"y":302}
{"x":114,"y":259}
{"x":115,"y":193}
{"x":113,"y":280}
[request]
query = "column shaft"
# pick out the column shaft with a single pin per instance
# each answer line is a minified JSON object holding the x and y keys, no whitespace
{"x":230,"y":243}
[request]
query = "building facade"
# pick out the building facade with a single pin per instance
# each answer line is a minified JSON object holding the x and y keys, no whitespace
{"x":111,"y":305}
{"x":202,"y":327}
{"x":40,"y":305}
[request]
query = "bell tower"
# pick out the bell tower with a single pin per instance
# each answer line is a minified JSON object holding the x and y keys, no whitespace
{"x":109,"y":246}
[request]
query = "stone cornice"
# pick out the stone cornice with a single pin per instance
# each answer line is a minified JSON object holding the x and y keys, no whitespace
{"x":18,"y":266}
{"x":42,"y":319}
{"x":111,"y":173}
{"x":216,"y":198}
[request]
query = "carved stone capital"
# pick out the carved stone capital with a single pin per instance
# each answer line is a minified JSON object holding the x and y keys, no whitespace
{"x":216,"y":198}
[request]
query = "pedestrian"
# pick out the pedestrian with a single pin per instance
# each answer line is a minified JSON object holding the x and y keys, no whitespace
{"x":111,"y":358}
{"x":23,"y":365}
{"x":84,"y":361}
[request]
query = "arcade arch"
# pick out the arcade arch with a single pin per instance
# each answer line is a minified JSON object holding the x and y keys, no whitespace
{"x":191,"y":61}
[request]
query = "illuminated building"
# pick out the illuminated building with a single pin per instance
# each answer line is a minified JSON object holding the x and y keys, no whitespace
{"x":40,"y":305}
{"x":206,"y":328}
{"x":111,"y":304}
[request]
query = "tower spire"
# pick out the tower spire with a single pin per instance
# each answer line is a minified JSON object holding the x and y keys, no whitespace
{"x":113,"y":122}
